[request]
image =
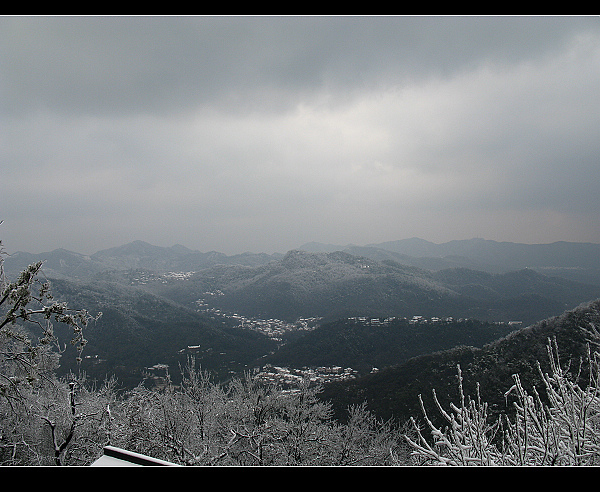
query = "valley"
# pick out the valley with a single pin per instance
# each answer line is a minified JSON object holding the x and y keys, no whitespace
{"x":344,"y":317}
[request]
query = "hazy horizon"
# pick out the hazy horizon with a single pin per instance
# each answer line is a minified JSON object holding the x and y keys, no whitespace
{"x":261,"y":134}
{"x":271,"y":250}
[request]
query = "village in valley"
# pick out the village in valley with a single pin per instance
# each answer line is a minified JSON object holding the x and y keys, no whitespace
{"x":276,"y":329}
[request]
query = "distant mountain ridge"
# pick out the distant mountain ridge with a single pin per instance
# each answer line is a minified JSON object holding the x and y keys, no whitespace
{"x":506,"y":255}
{"x":572,"y":260}
{"x":460,"y":280}
{"x":62,"y":263}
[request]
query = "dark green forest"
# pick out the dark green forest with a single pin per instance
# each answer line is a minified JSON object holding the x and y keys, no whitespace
{"x":377,"y":343}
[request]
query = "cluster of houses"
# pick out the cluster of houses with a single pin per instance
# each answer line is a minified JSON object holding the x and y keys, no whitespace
{"x":415,"y":320}
{"x":272,"y":327}
{"x":287,"y":378}
{"x":290,"y":378}
{"x":143,"y":277}
{"x":275,"y":328}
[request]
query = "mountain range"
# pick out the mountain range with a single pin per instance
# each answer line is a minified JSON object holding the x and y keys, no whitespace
{"x":571,"y":260}
{"x":339,"y":284}
{"x":150,"y":297}
{"x":62,"y":263}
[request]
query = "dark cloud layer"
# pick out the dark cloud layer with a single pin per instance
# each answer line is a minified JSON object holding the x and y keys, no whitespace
{"x":262,"y":133}
{"x":147,"y":64}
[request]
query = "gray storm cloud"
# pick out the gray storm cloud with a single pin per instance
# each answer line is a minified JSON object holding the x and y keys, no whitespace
{"x":262,"y":133}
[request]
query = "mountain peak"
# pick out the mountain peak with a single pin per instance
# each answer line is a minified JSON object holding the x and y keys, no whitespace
{"x":297,"y":258}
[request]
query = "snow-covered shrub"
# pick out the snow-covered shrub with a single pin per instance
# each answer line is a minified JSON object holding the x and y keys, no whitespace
{"x":563,"y":429}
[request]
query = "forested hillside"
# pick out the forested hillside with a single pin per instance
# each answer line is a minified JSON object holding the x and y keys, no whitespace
{"x":138,"y":330}
{"x":336,"y":285}
{"x":393,"y":391}
{"x":372,"y":344}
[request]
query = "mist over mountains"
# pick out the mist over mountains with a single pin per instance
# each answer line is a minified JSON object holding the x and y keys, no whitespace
{"x":474,"y":278}
{"x":572,"y":260}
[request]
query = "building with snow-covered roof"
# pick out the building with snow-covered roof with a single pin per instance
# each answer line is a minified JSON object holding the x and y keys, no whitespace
{"x":113,"y":456}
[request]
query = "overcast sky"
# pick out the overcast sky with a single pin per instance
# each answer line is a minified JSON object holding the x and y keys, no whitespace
{"x":259,"y":134}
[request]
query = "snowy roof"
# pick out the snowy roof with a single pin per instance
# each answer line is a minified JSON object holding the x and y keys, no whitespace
{"x":113,"y":456}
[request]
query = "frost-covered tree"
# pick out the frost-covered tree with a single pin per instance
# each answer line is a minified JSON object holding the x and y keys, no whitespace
{"x":28,"y":347}
{"x":56,"y":423}
{"x":365,"y":440}
{"x":562,"y":429}
{"x":246,"y":422}
{"x":40,"y":416}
